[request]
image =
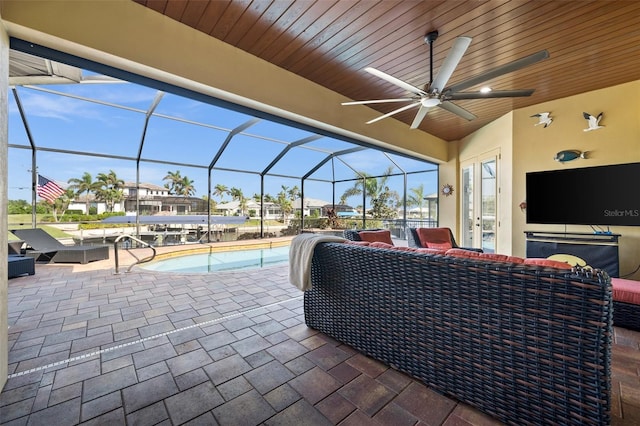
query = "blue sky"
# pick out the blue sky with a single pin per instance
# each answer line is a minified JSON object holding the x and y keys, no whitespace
{"x":181,"y":130}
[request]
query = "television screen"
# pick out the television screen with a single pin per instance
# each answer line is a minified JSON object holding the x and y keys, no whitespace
{"x":603,"y":195}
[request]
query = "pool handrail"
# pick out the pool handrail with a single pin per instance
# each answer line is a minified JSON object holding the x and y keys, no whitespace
{"x":138,"y":260}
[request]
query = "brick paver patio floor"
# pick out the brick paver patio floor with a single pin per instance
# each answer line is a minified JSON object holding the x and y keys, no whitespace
{"x":87,"y":346}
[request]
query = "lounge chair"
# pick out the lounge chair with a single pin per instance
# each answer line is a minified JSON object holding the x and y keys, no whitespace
{"x":44,"y":248}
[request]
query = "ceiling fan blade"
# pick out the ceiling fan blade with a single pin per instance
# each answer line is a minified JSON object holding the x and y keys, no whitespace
{"x":422,"y":113}
{"x":378,"y":101}
{"x":489,"y":95}
{"x":391,"y":79}
{"x":389,"y":114}
{"x":496,"y":72}
{"x":458,"y":110}
{"x":450,"y":63}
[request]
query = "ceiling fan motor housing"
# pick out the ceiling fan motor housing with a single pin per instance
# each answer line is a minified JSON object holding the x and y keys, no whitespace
{"x":431,"y":37}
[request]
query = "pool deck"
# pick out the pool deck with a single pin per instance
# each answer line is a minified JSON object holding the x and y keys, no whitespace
{"x":88,"y":346}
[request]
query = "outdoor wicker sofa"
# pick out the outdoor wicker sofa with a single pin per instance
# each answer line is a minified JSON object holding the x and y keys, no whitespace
{"x":526,"y":344}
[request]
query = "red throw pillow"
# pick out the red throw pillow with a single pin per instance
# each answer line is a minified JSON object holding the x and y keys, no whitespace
{"x":547,"y":262}
{"x":383,"y":236}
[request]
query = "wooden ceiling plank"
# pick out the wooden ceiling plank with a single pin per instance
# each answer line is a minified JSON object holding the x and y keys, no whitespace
{"x":352,"y":46}
{"x":367,"y":23}
{"x":246,"y":23}
{"x":193,"y":12}
{"x":157,"y":5}
{"x":263,"y":25}
{"x":284,"y":27}
{"x":231,"y":18}
{"x":546,"y":34}
{"x":316,"y":32}
{"x":401,"y":49}
{"x":300,"y":32}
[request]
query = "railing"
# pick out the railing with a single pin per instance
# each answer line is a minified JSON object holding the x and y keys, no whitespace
{"x":138,"y":260}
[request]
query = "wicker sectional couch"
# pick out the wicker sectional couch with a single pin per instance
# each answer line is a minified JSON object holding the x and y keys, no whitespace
{"x":526,"y":344}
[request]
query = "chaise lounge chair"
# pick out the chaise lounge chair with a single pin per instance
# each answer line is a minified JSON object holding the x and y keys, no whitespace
{"x":45,"y":248}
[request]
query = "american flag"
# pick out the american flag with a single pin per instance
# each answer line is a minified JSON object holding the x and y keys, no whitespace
{"x":48,"y":189}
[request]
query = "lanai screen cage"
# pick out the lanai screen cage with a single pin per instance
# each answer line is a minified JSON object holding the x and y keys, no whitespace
{"x":156,"y":155}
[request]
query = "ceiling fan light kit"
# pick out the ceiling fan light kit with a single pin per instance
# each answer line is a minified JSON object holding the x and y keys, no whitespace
{"x":437,"y":94}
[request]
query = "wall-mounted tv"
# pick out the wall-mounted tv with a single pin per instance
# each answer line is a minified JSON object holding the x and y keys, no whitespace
{"x":603,"y":195}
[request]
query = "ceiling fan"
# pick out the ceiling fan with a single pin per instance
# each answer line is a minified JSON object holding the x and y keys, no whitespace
{"x":437,"y":94}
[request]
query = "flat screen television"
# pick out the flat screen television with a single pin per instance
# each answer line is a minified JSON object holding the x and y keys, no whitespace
{"x":602,"y":195}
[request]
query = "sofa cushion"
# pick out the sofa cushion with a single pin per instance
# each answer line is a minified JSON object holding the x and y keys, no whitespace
{"x":357,"y":243}
{"x":380,"y":244}
{"x":430,"y":250}
{"x":500,"y":257}
{"x":492,"y":257}
{"x":547,"y":262}
{"x":458,"y":252}
{"x":627,"y":291}
{"x":403,"y":248}
{"x":375,"y":236}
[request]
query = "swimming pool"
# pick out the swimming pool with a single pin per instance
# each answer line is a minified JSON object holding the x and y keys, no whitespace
{"x":221,"y":261}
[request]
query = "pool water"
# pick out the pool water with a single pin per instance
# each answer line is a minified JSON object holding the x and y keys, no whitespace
{"x":221,"y":261}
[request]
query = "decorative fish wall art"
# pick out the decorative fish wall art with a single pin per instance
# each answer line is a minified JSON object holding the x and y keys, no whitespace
{"x":570,"y":155}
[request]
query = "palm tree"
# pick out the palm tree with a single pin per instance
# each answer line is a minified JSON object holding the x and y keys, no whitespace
{"x":237,"y":195}
{"x":373,"y":186}
{"x":174,"y":179}
{"x":220,"y":190}
{"x":293,"y":192}
{"x":284,"y":202}
{"x":185,"y":187}
{"x":82,"y":185}
{"x":109,"y":189}
{"x":417,"y":197}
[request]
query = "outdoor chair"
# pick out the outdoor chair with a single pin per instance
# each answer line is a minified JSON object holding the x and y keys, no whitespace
{"x":44,"y":248}
{"x":438,"y":238}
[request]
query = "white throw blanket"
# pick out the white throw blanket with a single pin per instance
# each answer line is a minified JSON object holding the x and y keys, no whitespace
{"x":300,"y":255}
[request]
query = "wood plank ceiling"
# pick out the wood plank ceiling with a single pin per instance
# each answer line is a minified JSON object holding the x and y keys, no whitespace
{"x":592,"y":45}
